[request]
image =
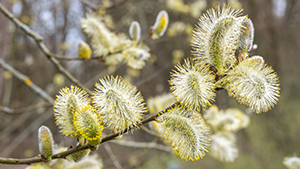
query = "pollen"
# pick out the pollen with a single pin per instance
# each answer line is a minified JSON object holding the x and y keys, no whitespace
{"x":254,"y":84}
{"x":186,"y":132}
{"x":192,"y":84}
{"x":66,"y":103}
{"x":124,"y":106}
{"x":218,"y":34}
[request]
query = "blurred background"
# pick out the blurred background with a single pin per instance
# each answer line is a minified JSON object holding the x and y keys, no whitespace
{"x":270,"y":137}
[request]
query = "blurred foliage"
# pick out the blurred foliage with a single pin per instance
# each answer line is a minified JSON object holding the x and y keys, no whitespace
{"x":269,"y":138}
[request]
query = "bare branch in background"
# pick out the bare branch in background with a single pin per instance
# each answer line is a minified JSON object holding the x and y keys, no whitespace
{"x":79,"y":148}
{"x":96,"y":7}
{"x":150,"y":131}
{"x":146,"y":145}
{"x":112,"y":156}
{"x":26,"y":80}
{"x":23,"y":135}
{"x":39,"y":40}
{"x":24,"y":109}
{"x":100,"y":59}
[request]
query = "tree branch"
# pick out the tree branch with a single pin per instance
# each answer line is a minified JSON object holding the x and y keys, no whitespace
{"x":150,"y":131}
{"x":112,"y":156}
{"x":25,"y":133}
{"x":39,"y":40}
{"x":147,"y":145}
{"x":96,"y":7}
{"x":24,"y":109}
{"x":26,"y":80}
{"x":20,"y":161}
{"x":79,"y":148}
{"x":100,"y":59}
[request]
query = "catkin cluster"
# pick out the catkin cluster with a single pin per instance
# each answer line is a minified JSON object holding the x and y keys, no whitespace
{"x":221,"y":44}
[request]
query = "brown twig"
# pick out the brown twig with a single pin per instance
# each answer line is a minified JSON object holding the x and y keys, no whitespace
{"x":119,"y":3}
{"x":153,"y":75}
{"x":100,"y":59}
{"x":96,"y":7}
{"x":145,"y":121}
{"x":20,"y":161}
{"x":25,"y":133}
{"x":150,"y":131}
{"x":17,"y":122}
{"x":53,"y":58}
{"x":26,"y":80}
{"x":112,"y":156}
{"x":79,"y":148}
{"x":24,"y":109}
{"x":39,"y":41}
{"x":146,"y":145}
{"x":90,"y":4}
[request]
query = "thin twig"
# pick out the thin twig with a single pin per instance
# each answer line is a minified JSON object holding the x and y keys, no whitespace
{"x":90,"y":4}
{"x":39,"y":40}
{"x":17,"y":122}
{"x":79,"y":148}
{"x":91,"y":81}
{"x":28,"y":161}
{"x":26,"y":80}
{"x":147,"y":145}
{"x":119,"y":3}
{"x":100,"y":59}
{"x":24,"y":27}
{"x":96,"y":7}
{"x":24,"y":109}
{"x":145,"y":121}
{"x":153,"y":75}
{"x":112,"y":156}
{"x":25,"y":133}
{"x":150,"y":131}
